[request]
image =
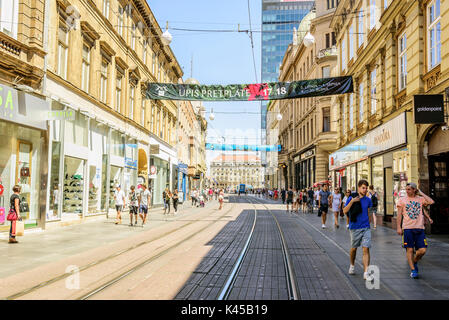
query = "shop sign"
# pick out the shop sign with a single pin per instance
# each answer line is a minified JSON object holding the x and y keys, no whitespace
{"x":20,"y":107}
{"x":130,"y":163}
{"x":154,"y":149}
{"x":429,"y":108}
{"x":387,"y":136}
{"x":296,"y":159}
{"x":61,"y":115}
{"x":349,"y":154}
{"x":307,"y":154}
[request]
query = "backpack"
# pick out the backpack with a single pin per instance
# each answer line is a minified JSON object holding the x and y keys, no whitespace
{"x":374,"y":200}
{"x":356,"y":209}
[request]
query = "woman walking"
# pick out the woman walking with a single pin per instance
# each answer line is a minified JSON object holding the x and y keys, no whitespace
{"x":336,"y":205}
{"x":304,"y":200}
{"x":166,"y":195}
{"x":221,"y":199}
{"x":14,"y":213}
{"x":347,"y":195}
{"x":295,"y":205}
{"x":175,"y":198}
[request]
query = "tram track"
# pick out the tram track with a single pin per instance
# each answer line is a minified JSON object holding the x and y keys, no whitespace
{"x":63,"y":276}
{"x":290,"y":276}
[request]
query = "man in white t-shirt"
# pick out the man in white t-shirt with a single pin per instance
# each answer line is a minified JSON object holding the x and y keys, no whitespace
{"x":144,"y":203}
{"x":317,"y":195}
{"x":120,"y":201}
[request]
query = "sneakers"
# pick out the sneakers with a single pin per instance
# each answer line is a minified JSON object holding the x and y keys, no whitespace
{"x":323,"y":226}
{"x":414,"y":274}
{"x":347,"y":226}
{"x":366,"y":276}
{"x":351,"y":269}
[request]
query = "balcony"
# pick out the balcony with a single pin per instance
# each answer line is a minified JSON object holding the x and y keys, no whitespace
{"x":328,"y":52}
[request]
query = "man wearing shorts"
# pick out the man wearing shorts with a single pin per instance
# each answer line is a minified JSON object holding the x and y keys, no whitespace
{"x":323,"y":204}
{"x":411,"y":215}
{"x":144,"y":202}
{"x":290,"y":199}
{"x":359,"y":227}
{"x":119,"y":197}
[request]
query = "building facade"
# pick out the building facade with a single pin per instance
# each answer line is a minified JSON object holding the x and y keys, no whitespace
{"x":307,"y":132}
{"x":394,"y":50}
{"x":230,"y":170}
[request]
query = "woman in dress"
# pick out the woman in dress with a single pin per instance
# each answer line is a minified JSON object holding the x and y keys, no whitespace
{"x":336,"y":205}
{"x":14,"y":203}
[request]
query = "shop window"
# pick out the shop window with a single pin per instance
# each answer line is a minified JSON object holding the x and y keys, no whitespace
{"x":377,"y":172}
{"x":73,"y":185}
{"x":94,"y":190}
{"x":117,"y":144}
{"x":55,"y":191}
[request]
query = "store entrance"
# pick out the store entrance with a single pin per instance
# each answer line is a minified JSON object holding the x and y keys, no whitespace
{"x":438,"y":176}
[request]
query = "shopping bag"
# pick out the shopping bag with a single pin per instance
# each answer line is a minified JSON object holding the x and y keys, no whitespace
{"x":20,"y":228}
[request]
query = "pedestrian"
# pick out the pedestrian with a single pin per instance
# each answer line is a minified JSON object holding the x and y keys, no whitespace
{"x":14,"y":213}
{"x":120,"y":203}
{"x":193,"y":196}
{"x":166,"y":198}
{"x":335,"y":200}
{"x":411,"y":215}
{"x":283,"y":193}
{"x":304,"y":200}
{"x":175,"y":198}
{"x":290,"y":199}
{"x":317,"y":196}
{"x":221,"y":199}
{"x":144,"y":203}
{"x":357,"y":206}
{"x":295,"y":199}
{"x":310,"y":198}
{"x":373,"y":209}
{"x":323,"y":205}
{"x":343,"y":203}
{"x":133,"y":205}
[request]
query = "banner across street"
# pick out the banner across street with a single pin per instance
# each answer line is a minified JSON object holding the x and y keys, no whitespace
{"x":251,"y":92}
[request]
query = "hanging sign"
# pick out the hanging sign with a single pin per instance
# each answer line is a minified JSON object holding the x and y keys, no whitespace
{"x":429,"y":108}
{"x":251,"y":92}
{"x":244,"y":147}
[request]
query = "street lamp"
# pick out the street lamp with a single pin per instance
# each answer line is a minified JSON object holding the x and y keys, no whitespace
{"x":166,"y":36}
{"x":309,"y":40}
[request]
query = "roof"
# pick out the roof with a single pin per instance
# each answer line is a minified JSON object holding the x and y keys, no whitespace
{"x":236,"y":158}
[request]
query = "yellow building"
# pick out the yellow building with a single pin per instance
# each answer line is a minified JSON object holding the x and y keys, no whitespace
{"x":101,"y":56}
{"x":394,"y":50}
{"x":307,"y":131}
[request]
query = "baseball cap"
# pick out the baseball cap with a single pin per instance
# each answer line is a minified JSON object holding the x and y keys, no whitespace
{"x":412,"y":184}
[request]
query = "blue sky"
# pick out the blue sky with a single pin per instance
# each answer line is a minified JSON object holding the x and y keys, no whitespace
{"x":218,"y":58}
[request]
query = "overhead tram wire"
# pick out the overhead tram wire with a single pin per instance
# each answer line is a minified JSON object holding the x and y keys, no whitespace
{"x":252,"y":41}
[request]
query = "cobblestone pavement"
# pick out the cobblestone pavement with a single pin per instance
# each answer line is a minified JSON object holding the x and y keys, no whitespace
{"x":320,"y":261}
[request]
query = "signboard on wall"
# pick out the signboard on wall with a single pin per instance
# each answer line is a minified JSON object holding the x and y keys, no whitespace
{"x":429,"y":108}
{"x":389,"y":135}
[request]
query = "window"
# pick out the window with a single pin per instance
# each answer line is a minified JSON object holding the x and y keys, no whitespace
{"x":131,"y":101}
{"x":343,"y":54}
{"x":385,"y":4}
{"x":351,"y":42}
{"x":361,"y":27}
{"x":343,"y":118}
{"x":103,"y":80}
{"x":402,"y":62}
{"x":144,"y":52}
{"x":169,"y":129}
{"x":326,"y":120}
{"x":158,"y":121}
{"x":120,"y":20}
{"x":153,"y":69}
{"x":106,"y":8}
{"x":373,"y":97}
{"x":328,"y":40}
{"x":152,"y":117}
{"x":326,"y":71}
{"x":142,"y":112}
{"x":63,"y":45}
{"x":434,"y":34}
{"x":9,"y":17}
{"x":163,"y":121}
{"x":118,"y":92}
{"x":372,"y":14}
{"x":360,"y":102}
{"x":351,"y":111}
{"x":159,"y":71}
{"x":334,"y":41}
{"x":133,"y":36}
{"x":85,"y":68}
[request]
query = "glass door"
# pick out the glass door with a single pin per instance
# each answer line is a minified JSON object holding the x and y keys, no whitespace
{"x":23,"y":174}
{"x":439,"y":184}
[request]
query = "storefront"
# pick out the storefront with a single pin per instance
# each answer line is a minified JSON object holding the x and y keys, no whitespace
{"x":23,"y":154}
{"x":183,"y":181}
{"x":160,"y":181}
{"x":387,"y":148}
{"x":438,"y":166}
{"x":305,"y":169}
{"x":349,"y":164}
